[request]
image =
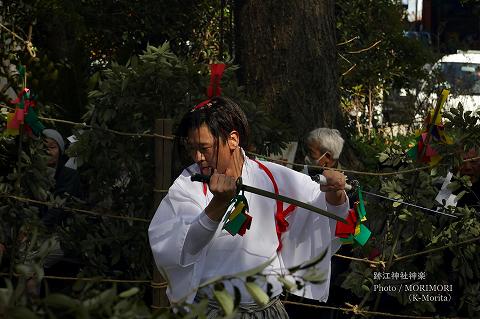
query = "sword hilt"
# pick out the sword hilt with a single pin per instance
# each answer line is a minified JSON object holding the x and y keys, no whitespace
{"x":206,"y":179}
{"x":322,"y":180}
{"x":200,"y":178}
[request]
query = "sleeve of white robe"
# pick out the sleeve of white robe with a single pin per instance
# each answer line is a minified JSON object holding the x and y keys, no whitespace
{"x":176,"y":217}
{"x":199,"y":234}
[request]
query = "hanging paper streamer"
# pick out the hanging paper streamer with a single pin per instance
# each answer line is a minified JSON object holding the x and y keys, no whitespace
{"x":238,"y":220}
{"x":354,"y":230}
{"x":429,"y":156}
{"x":24,"y":114}
{"x":437,"y":128}
{"x":33,"y":122}
{"x":11,"y":130}
{"x":437,"y":135}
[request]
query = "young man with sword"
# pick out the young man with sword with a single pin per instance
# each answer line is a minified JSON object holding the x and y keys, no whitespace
{"x":245,"y":214}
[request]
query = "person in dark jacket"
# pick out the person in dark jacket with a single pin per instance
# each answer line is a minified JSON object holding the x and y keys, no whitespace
{"x":67,"y":183}
{"x":67,"y":180}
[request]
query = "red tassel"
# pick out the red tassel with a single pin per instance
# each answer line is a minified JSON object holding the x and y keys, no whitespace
{"x":246,"y":225}
{"x":344,"y":230}
{"x":214,"y":89}
{"x":216,"y":72}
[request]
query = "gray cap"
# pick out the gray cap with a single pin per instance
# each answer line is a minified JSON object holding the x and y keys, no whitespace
{"x":57,"y":137}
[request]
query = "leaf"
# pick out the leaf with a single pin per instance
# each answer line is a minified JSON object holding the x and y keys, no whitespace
{"x":21,"y":313}
{"x":45,"y":247}
{"x":224,"y":300}
{"x":468,"y":271}
{"x":309,"y":263}
{"x":382,"y":157}
{"x":24,"y":270}
{"x":197,"y":310}
{"x":210,"y":281}
{"x":81,"y":312}
{"x":255,"y":270}
{"x":453,"y":186}
{"x":60,"y":301}
{"x":247,"y":273}
{"x":100,"y":300}
{"x":130,"y":292}
{"x":5,"y":295}
{"x":260,"y":297}
{"x":39,"y":272}
{"x":460,"y":195}
{"x":287,"y":284}
{"x":78,"y":285}
{"x":124,"y":84}
{"x":314,"y":276}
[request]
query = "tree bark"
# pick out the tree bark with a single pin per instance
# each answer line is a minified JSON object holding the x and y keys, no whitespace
{"x":287,"y":53}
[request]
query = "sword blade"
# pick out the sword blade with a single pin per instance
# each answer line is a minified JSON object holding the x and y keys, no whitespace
{"x":289,"y":200}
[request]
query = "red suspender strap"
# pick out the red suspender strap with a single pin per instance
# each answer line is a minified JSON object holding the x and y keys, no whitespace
{"x":280,"y":223}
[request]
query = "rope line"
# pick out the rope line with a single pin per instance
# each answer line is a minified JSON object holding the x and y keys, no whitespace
{"x":365,"y":260}
{"x":436,"y":249}
{"x":357,"y":310}
{"x":132,"y":281}
{"x":97,"y":279}
{"x":84,"y":125}
{"x":383,"y":263}
{"x":172,"y":137}
{"x":158,"y":285}
{"x":163,"y":191}
{"x":160,"y":307}
{"x":76,"y":210}
{"x":12,"y":33}
{"x":164,"y":284}
{"x":343,"y":170}
{"x":352,"y":308}
{"x":28,"y":43}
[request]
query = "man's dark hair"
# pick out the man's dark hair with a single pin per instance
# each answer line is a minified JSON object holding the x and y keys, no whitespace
{"x":221,"y":115}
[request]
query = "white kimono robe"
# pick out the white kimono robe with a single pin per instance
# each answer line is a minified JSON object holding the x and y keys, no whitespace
{"x":308,"y":234}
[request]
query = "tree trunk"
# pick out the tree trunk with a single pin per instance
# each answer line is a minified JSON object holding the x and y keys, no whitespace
{"x":287,"y":53}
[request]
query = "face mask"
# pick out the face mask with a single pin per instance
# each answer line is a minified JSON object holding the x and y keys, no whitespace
{"x":310,"y":161}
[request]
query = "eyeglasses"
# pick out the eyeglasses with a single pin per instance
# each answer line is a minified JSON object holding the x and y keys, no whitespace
{"x":203,"y":149}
